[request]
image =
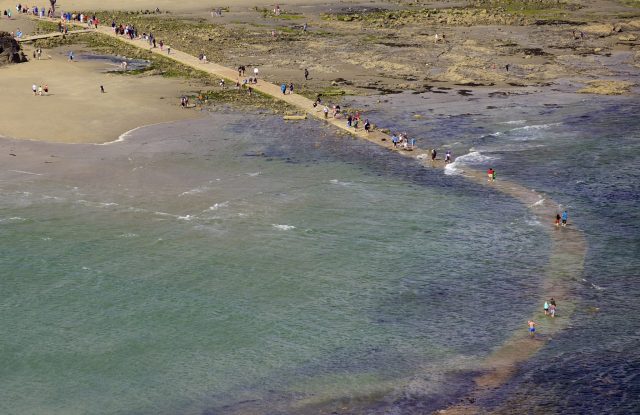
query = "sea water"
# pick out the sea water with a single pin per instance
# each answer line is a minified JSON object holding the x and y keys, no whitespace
{"x":582,"y":151}
{"x":242,"y":264}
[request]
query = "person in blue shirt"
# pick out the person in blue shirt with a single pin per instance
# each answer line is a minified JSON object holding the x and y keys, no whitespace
{"x":564,"y":217}
{"x":283,"y":88}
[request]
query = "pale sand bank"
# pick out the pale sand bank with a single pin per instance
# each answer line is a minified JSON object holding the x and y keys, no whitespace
{"x":75,"y":111}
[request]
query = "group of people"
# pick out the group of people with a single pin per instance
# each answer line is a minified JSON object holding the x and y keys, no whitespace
{"x":401,"y":140}
{"x":284,"y":88}
{"x":561,"y":219}
{"x":549,"y":309}
{"x":35,"y":10}
{"x":39,"y":90}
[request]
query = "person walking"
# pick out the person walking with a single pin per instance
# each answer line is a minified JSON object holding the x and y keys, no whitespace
{"x":255,"y":74}
{"x":490,"y":174}
{"x":283,"y":88}
{"x":291,"y":88}
{"x":557,"y":219}
{"x":552,"y":310}
{"x":546,"y":308}
{"x":532,"y":328}
{"x":306,"y":74}
{"x":326,"y":112}
{"x":565,"y":216}
{"x":34,"y":88}
{"x":434,"y":153}
{"x":367,"y":126}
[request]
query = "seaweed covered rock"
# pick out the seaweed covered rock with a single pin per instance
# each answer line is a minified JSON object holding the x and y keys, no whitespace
{"x":10,"y":50}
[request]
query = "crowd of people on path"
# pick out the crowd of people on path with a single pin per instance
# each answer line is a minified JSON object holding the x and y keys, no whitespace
{"x":32,"y":10}
{"x":402,"y":141}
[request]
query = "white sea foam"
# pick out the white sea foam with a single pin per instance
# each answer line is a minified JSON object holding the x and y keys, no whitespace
{"x":26,"y":172}
{"x":535,"y":127}
{"x":128,"y":235}
{"x":283,"y":227}
{"x":254,"y":174}
{"x":126,"y":134}
{"x":514,"y":122}
{"x":186,"y":217}
{"x":532,"y":222}
{"x":12,"y":219}
{"x":165,"y":214}
{"x":473,"y":157}
{"x":335,"y":181}
{"x":217,"y":206}
{"x":538,"y":203}
{"x":452,"y":169}
{"x":194,"y":191}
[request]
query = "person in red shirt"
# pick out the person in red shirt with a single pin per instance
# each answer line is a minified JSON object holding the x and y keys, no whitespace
{"x":490,"y":173}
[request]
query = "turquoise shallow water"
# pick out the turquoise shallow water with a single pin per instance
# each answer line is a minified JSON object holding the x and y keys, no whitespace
{"x":225,"y":265}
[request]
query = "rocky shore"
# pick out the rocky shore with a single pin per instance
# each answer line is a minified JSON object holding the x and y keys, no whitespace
{"x":10,"y":51}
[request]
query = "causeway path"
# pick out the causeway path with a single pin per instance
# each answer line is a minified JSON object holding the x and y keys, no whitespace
{"x":52,"y":35}
{"x":568,"y":245}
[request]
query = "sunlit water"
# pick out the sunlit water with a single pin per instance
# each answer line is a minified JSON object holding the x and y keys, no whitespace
{"x":241,"y":263}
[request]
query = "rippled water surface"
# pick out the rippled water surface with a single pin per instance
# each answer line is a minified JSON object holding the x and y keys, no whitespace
{"x":242,"y":264}
{"x":239,"y":263}
{"x":584,"y":152}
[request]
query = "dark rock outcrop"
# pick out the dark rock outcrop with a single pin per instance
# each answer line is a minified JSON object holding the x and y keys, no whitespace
{"x":10,"y":50}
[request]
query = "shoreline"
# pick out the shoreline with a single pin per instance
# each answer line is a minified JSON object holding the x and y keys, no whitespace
{"x":501,"y":364}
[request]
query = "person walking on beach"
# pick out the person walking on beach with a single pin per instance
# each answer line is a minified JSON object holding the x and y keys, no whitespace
{"x":255,"y":74}
{"x":102,"y":89}
{"x":306,"y":74}
{"x":564,"y":217}
{"x":434,"y":153}
{"x":291,"y":88}
{"x":367,"y":126}
{"x":447,"y":157}
{"x":557,"y":219}
{"x":546,"y":308}
{"x":34,"y":88}
{"x":283,"y":88}
{"x":552,"y":310}
{"x":326,"y":112}
{"x":45,"y":88}
{"x":532,"y":328}
{"x":490,"y":174}
{"x":71,"y":56}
